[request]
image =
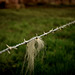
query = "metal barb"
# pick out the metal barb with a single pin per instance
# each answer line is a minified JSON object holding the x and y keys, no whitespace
{"x":45,"y":33}
{"x":24,"y":40}
{"x":9,"y":47}
{"x":8,"y":51}
{"x":57,"y":28}
{"x":36,"y":36}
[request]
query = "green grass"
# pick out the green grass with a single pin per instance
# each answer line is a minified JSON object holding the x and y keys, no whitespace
{"x":59,"y":52}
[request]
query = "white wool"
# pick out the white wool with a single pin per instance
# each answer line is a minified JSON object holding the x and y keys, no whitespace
{"x":40,"y":43}
{"x":33,"y":48}
{"x":30,"y":52}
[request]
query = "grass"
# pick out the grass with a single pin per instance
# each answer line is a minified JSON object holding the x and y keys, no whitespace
{"x":59,"y":52}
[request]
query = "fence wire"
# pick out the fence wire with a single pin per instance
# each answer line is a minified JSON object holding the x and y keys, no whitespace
{"x":9,"y":48}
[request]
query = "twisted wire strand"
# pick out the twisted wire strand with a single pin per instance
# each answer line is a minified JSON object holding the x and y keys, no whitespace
{"x":44,"y":34}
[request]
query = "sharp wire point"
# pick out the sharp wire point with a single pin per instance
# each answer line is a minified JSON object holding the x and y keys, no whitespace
{"x":8,"y":46}
{"x":36,"y":36}
{"x":44,"y":32}
{"x":60,"y":28}
{"x":52,"y":29}
{"x":8,"y":51}
{"x":24,"y":40}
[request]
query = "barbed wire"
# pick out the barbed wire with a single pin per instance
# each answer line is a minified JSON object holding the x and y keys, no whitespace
{"x":9,"y":48}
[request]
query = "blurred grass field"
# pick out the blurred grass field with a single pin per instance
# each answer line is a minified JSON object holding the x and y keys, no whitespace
{"x":59,"y":51}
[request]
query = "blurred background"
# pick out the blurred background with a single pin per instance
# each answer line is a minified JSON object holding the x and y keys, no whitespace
{"x":24,"y":3}
{"x":21,"y":19}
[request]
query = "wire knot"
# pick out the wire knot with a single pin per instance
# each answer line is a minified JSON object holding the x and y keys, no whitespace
{"x":10,"y":48}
